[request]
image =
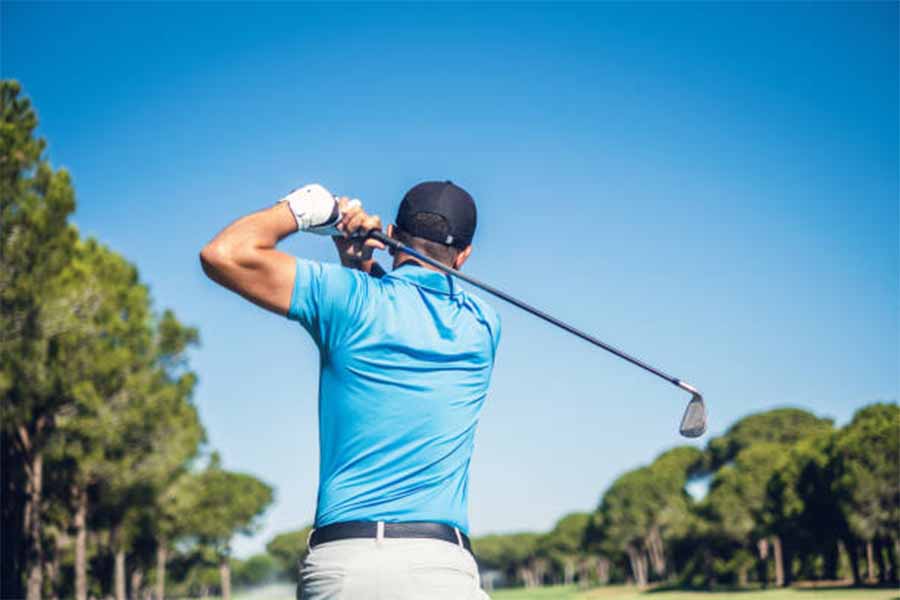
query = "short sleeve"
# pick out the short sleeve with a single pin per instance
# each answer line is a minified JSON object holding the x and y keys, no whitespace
{"x":328,"y":301}
{"x":489,"y":318}
{"x":495,"y":333}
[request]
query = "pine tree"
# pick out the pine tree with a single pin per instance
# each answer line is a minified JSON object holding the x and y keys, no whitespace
{"x":36,"y":246}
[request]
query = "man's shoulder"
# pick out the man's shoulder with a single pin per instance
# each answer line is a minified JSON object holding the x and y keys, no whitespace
{"x":485,"y":312}
{"x":482,"y":305}
{"x":335,"y":287}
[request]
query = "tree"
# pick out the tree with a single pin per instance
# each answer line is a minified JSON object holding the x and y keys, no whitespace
{"x":171,"y":518}
{"x":799,"y":500}
{"x":105,"y":355}
{"x":783,"y":426}
{"x":81,"y":373}
{"x":644,"y":509}
{"x":36,"y":244}
{"x":221,"y":504}
{"x":736,"y":501}
{"x":256,"y":570}
{"x":625,"y":515}
{"x":288,"y":549}
{"x":512,"y":554}
{"x":671,"y":472}
{"x":563,"y":545}
{"x":129,"y":424}
{"x":867,"y":481}
{"x":162,"y":435}
{"x":746,"y":457}
{"x":173,"y":435}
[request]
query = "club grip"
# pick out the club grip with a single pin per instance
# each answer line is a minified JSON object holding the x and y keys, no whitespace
{"x":377,"y":234}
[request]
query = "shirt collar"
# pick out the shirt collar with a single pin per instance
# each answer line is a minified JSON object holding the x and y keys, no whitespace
{"x":419,"y":276}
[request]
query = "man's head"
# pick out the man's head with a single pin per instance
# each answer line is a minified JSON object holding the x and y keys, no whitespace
{"x":438,"y":219}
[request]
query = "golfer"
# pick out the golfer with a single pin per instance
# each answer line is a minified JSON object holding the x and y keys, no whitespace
{"x":405,"y":363}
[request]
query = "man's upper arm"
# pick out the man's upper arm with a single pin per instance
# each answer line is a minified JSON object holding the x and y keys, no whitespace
{"x":243,"y":258}
{"x":265,"y":279}
{"x":328,"y":300}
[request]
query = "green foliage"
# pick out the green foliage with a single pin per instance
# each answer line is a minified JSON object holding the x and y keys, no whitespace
{"x":567,"y":536}
{"x":563,"y":546}
{"x":217,"y":504}
{"x":36,"y":244}
{"x":738,"y":491}
{"x":770,"y":481}
{"x":18,"y":146}
{"x":644,"y":510}
{"x":289,"y":549}
{"x":784,"y":426}
{"x":104,"y":348}
{"x":867,"y":471}
{"x":256,"y":570}
{"x":799,"y":499}
{"x":505,"y":552}
{"x":199,"y":578}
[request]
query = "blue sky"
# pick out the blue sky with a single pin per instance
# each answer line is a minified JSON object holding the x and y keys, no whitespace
{"x":711,"y":187}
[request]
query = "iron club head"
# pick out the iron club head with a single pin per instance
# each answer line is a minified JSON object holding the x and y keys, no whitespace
{"x":693,"y":423}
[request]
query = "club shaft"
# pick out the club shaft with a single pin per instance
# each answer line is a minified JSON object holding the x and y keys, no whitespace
{"x":400,"y":247}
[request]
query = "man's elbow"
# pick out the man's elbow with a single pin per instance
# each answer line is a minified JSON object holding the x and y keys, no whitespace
{"x":215,"y":258}
{"x":221,"y":258}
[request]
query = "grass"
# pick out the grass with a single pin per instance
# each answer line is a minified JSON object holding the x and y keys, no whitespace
{"x":618,"y":592}
{"x":621,"y":592}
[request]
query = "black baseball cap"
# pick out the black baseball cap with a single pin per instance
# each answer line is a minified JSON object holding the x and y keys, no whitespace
{"x":444,"y":199}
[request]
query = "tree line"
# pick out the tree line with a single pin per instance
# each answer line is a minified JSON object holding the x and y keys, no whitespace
{"x":107,"y":483}
{"x":787,"y":497}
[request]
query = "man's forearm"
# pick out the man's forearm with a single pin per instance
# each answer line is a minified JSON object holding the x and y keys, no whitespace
{"x":360,"y":264}
{"x":356,"y":253}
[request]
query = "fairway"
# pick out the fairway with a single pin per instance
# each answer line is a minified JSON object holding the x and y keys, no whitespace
{"x":284,"y":591}
{"x":629,"y":593}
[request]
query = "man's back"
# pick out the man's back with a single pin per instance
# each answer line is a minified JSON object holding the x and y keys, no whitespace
{"x":405,"y":364}
{"x":405,"y":359}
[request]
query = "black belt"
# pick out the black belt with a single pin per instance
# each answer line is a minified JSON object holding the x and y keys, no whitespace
{"x":369,"y":529}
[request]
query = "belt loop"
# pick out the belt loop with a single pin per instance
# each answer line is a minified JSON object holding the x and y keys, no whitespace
{"x":379,"y":532}
{"x":459,"y":538}
{"x":309,"y":537}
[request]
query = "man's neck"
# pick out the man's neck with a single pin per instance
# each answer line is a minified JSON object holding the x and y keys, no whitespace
{"x":405,"y":259}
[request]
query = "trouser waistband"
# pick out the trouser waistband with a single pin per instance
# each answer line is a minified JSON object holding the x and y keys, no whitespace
{"x":380,"y":529}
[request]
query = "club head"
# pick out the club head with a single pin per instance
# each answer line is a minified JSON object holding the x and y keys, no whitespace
{"x":693,"y":423}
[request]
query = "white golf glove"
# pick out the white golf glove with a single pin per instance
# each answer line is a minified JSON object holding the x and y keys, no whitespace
{"x":316,"y":209}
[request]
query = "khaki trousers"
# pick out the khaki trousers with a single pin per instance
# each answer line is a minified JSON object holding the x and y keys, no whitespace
{"x":389,"y":569}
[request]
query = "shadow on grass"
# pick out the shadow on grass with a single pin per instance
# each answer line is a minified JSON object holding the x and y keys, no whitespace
{"x":718,"y":589}
{"x":803,"y":587}
{"x":811,"y":587}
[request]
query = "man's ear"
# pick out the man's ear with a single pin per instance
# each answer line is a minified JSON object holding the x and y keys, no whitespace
{"x":462,"y":257}
{"x":390,"y":234}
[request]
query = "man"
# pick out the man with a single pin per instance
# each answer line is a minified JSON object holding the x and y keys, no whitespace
{"x":406,"y":359}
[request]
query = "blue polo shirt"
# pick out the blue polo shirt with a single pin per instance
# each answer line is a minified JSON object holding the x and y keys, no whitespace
{"x":405,"y":362}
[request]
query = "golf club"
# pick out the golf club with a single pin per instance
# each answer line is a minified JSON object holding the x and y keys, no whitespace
{"x":693,"y":423}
